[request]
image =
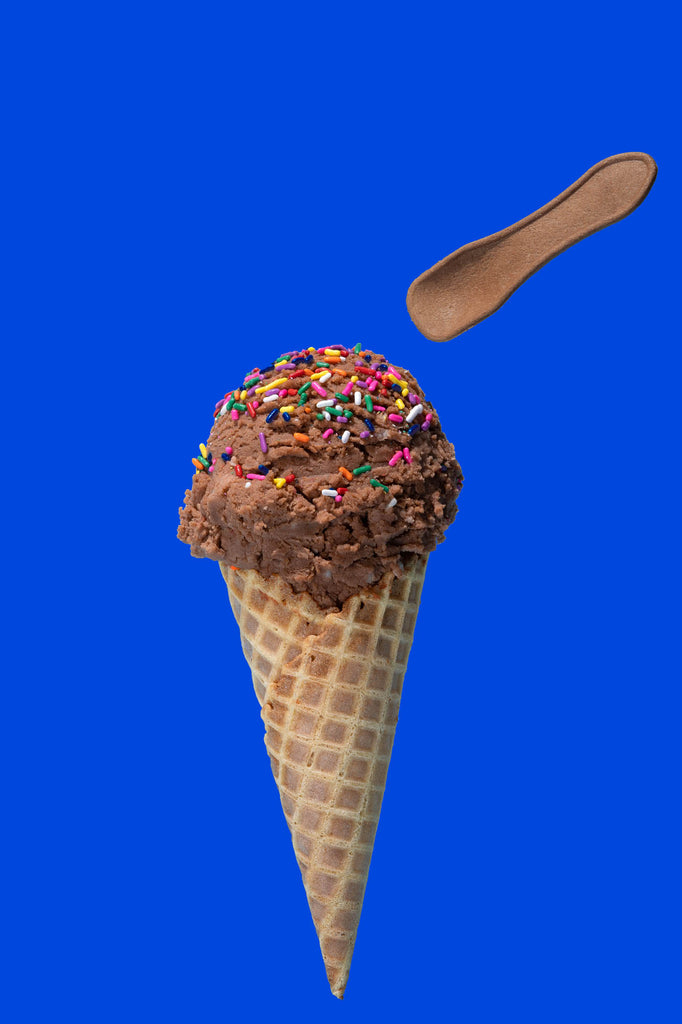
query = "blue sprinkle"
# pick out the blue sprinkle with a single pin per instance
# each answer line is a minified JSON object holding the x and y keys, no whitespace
{"x":286,"y":416}
{"x":264,"y":469}
{"x":370,"y":425}
{"x":310,"y":359}
{"x":397,"y":387}
{"x":368,"y":359}
{"x":413,"y":429}
{"x":298,"y":359}
{"x":272,"y":416}
{"x":382,"y":366}
{"x":225,"y":458}
{"x":266,"y":369}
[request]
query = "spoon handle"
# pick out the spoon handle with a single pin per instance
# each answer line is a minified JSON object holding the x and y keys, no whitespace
{"x":473,"y":282}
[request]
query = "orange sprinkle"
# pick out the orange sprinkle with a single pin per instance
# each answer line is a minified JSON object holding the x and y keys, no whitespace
{"x":344,"y":472}
{"x":198,"y":464}
{"x":233,"y":567}
{"x":303,"y":438}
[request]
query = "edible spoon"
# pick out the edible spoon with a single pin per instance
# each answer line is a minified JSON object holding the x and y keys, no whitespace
{"x":473,"y":282}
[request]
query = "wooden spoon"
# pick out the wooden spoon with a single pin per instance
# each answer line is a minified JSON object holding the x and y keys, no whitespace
{"x":473,"y":282}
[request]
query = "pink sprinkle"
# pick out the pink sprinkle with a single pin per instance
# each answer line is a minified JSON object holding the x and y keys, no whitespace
{"x":373,"y":385}
{"x":338,"y":497}
{"x":395,"y":459}
{"x":263,"y":443}
{"x":395,"y":373}
{"x":406,"y":453}
{"x":393,"y":418}
{"x":229,"y":451}
{"x":429,"y":417}
{"x":283,"y":393}
{"x":211,"y":467}
{"x":255,"y":476}
{"x":348,"y":388}
{"x":316,"y":387}
{"x":327,"y":433}
{"x":234,"y":414}
{"x":380,"y":408}
{"x":255,"y":403}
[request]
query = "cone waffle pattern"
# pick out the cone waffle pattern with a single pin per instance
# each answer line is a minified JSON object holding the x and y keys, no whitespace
{"x":329,"y":686}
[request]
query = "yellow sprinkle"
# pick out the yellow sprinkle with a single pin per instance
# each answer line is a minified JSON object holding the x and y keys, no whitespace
{"x":406,"y":392}
{"x":393,"y":378}
{"x":204,"y":450}
{"x":279,"y":482}
{"x":354,"y":378}
{"x":399,"y":402}
{"x":272,"y":384}
{"x":311,"y":349}
{"x":244,"y":396}
{"x":316,"y":376}
{"x":288,"y":408}
{"x":332,"y":352}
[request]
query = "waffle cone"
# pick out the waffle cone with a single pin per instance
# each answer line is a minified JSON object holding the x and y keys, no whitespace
{"x":329,"y":685}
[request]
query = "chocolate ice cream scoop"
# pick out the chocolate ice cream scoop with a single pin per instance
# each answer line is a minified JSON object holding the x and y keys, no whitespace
{"x":329,"y":468}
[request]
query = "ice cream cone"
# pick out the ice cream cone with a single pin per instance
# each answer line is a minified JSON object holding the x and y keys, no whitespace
{"x":329,"y":686}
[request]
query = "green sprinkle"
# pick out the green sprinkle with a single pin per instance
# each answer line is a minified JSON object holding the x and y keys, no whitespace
{"x":358,"y":349}
{"x":369,"y":403}
{"x":348,"y":414}
{"x":305,"y":387}
{"x":320,"y":416}
{"x":282,"y":359}
{"x":341,"y":398}
{"x":302,"y":401}
{"x":251,"y":380}
{"x":203,"y":461}
{"x":240,"y":406}
{"x":230,"y":404}
{"x":322,"y":364}
{"x":377,"y":483}
{"x":361,"y":469}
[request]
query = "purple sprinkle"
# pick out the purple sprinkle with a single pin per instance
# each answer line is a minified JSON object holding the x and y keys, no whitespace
{"x":414,"y":399}
{"x":365,"y":433}
{"x":263,"y":442}
{"x":426,"y":425}
{"x":221,"y":403}
{"x":251,"y":392}
{"x":273,"y":391}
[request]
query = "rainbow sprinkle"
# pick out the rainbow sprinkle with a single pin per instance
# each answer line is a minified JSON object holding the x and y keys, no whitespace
{"x":354,"y":393}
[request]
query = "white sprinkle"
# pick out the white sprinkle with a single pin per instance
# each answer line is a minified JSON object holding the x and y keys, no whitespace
{"x":413,"y":413}
{"x":325,"y":377}
{"x":392,"y":502}
{"x":325,"y":404}
{"x":329,"y":493}
{"x":327,"y":416}
{"x":248,"y":483}
{"x":224,"y":409}
{"x":345,"y":436}
{"x":271,"y":398}
{"x":358,"y":398}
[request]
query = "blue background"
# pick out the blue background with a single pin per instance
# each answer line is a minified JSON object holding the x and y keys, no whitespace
{"x":196,"y":187}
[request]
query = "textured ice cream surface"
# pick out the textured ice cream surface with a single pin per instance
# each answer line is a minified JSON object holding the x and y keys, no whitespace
{"x":327,"y":467}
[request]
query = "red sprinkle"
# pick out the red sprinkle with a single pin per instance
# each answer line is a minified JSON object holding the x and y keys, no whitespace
{"x":238,"y":470}
{"x":290,"y":479}
{"x":251,"y":411}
